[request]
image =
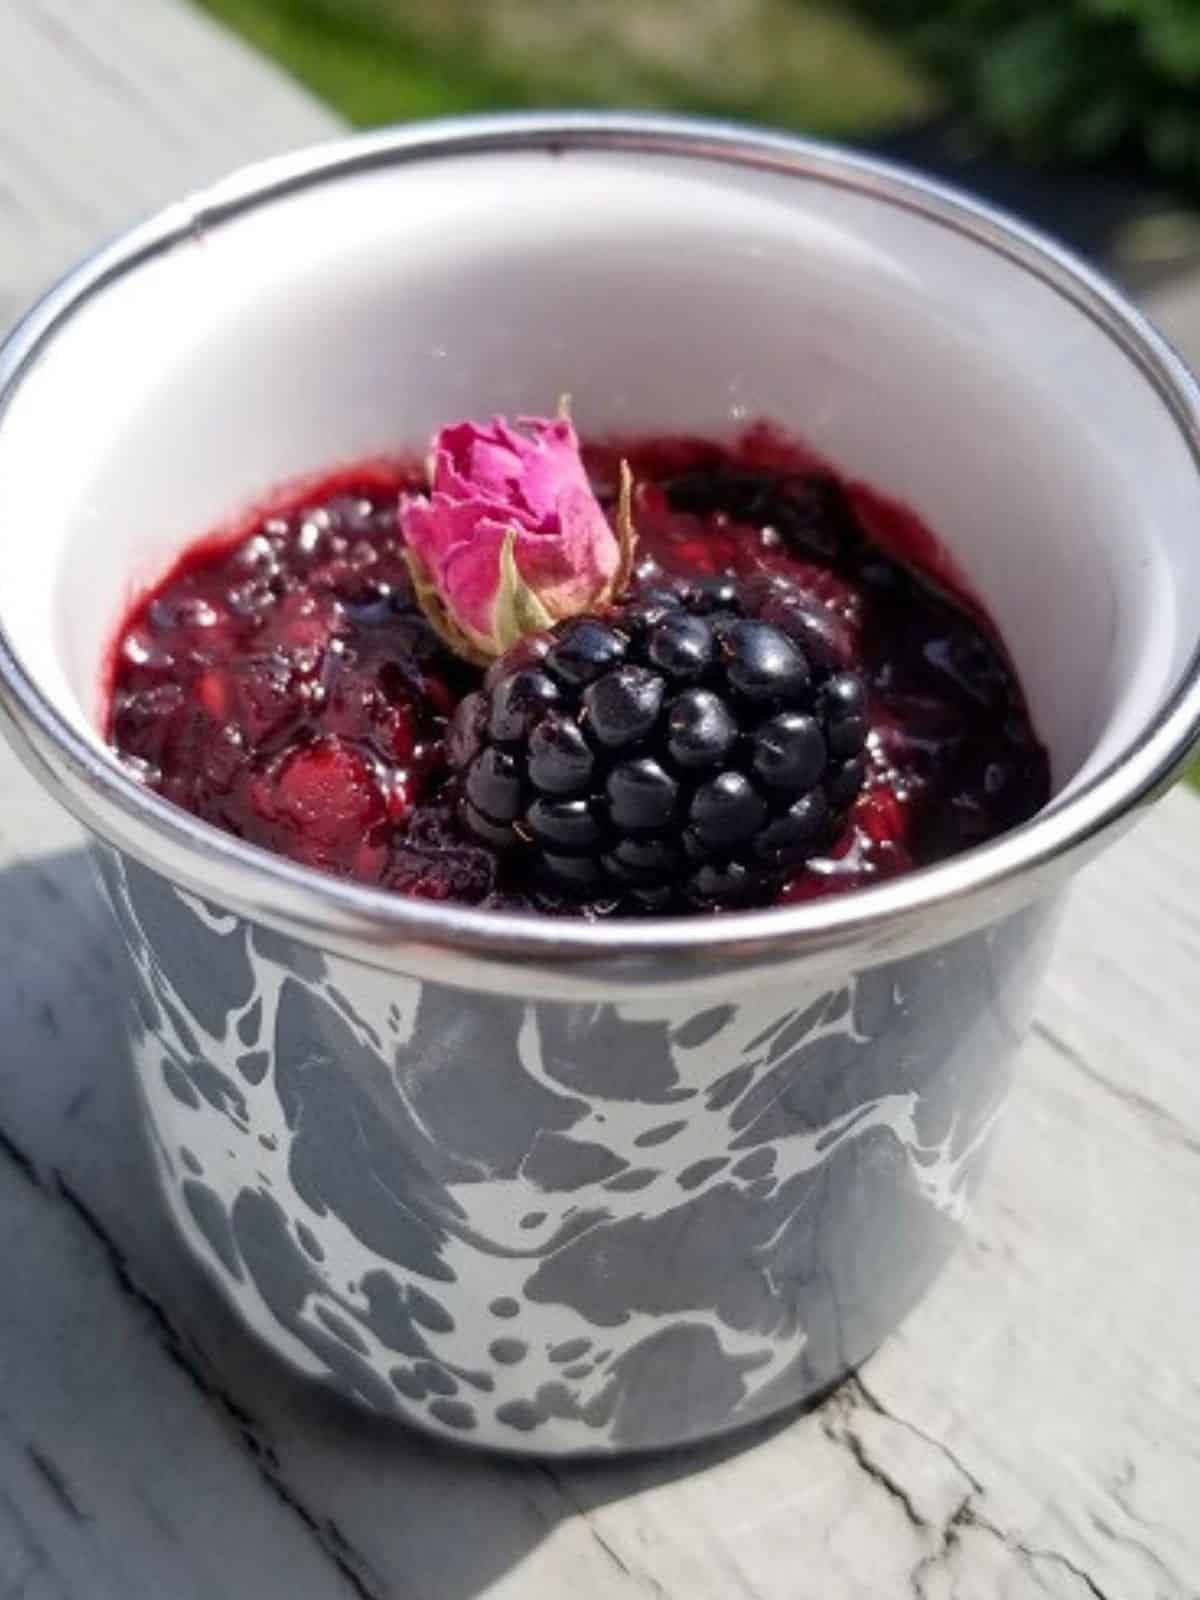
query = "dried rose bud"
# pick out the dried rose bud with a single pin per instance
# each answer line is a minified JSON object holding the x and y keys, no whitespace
{"x":511,"y":538}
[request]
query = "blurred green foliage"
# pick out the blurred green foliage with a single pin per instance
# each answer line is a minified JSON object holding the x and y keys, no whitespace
{"x":797,"y":63}
{"x":1077,"y":78}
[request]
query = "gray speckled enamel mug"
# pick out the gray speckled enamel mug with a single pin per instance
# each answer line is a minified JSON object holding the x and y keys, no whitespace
{"x":536,"y":1184}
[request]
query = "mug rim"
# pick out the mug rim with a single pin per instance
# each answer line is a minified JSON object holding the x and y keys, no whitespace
{"x":912,"y":911}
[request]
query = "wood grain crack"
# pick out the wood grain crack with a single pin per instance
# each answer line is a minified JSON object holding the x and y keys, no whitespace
{"x":873,"y":1403}
{"x":350,"y":1564}
{"x":1139,"y":1547}
{"x":838,"y":1430}
{"x":55,"y":1480}
{"x":353,"y":1568}
{"x":1032,"y":1554}
{"x":648,"y":1584}
{"x":1170,"y":1127}
{"x":965,"y":1516}
{"x":23,"y":1163}
{"x":838,"y":1426}
{"x":100,"y":72}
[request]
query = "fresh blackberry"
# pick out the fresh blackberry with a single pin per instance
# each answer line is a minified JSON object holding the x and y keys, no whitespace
{"x":668,"y":755}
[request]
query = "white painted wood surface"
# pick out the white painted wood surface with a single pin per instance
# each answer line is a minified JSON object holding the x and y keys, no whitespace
{"x":1033,"y":1430}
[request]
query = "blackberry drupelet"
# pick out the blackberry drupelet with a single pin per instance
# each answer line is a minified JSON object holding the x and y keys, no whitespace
{"x":675,"y":753}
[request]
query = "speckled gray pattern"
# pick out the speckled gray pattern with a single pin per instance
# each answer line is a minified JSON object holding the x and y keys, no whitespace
{"x":559,"y":1227}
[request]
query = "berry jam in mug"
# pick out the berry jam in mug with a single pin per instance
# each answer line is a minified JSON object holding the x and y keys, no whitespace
{"x":735,"y":681}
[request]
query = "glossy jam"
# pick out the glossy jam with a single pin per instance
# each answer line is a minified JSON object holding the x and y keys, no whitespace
{"x":281,"y":684}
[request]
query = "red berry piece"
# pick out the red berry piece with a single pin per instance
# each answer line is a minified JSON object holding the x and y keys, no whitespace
{"x":323,"y":800}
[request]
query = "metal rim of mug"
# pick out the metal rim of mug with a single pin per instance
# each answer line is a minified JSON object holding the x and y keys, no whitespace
{"x":375,"y":926}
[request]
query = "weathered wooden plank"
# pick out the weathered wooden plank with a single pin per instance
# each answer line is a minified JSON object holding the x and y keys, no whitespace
{"x":1030,"y":1431}
{"x":1176,"y":310}
{"x":112,"y":107}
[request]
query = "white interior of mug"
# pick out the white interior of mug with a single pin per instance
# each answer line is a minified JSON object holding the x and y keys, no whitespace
{"x":355,"y":316}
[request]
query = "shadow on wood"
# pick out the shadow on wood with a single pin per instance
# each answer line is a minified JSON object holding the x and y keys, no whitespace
{"x":108,"y":1326}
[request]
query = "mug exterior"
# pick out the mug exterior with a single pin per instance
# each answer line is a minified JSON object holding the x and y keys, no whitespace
{"x":554,"y":1186}
{"x":566,"y":1228}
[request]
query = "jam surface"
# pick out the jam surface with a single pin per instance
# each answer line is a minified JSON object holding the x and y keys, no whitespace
{"x":282,"y":684}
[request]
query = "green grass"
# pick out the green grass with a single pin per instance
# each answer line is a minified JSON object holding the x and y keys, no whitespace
{"x":787,"y":62}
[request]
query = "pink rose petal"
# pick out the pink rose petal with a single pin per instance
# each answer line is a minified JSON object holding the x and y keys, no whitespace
{"x":490,"y":479}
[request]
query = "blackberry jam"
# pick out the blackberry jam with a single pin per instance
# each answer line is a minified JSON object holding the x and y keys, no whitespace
{"x":801,"y":699}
